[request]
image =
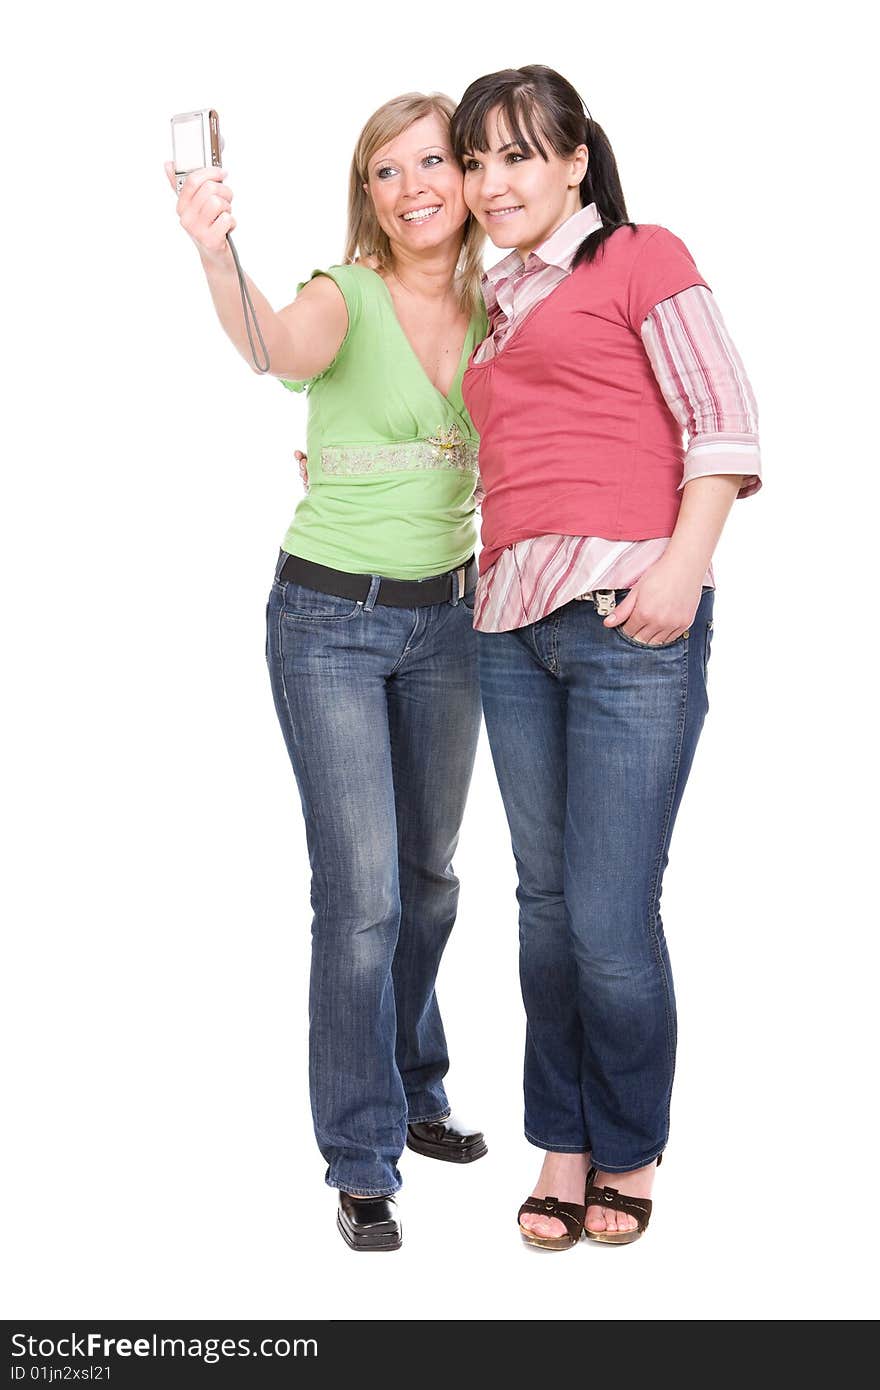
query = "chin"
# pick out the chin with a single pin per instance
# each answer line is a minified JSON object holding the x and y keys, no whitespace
{"x":502,"y":239}
{"x":503,"y":234}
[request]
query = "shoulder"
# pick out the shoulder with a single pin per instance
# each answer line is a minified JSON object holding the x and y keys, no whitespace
{"x":652,"y":242}
{"x":323,"y":299}
{"x":661,"y":268}
{"x":321,"y":287}
{"x":633,"y":240}
{"x":357,"y":284}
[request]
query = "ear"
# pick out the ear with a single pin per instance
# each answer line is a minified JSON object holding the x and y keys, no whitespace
{"x":580,"y":160}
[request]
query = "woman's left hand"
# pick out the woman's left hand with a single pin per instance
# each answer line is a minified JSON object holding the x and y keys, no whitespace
{"x":303,"y":464}
{"x":660,"y":606}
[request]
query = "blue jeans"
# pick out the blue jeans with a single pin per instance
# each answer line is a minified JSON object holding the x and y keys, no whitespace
{"x":380,"y":711}
{"x":592,"y":735}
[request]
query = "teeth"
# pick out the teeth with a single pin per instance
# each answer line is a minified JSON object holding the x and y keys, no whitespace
{"x":420,"y":215}
{"x":502,"y":212}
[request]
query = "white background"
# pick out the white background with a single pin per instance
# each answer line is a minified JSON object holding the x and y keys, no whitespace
{"x":160,"y":1160}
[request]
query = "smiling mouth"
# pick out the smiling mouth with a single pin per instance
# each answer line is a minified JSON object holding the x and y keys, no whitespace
{"x":420,"y":214}
{"x":503,"y":212}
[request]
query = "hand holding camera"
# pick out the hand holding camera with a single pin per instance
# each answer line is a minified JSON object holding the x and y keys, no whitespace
{"x":204,"y":199}
{"x":204,"y":208}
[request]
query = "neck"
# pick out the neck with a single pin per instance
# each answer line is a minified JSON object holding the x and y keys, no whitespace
{"x":431,"y":275}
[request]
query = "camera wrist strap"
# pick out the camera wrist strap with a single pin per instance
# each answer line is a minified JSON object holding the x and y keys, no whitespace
{"x":248,"y":310}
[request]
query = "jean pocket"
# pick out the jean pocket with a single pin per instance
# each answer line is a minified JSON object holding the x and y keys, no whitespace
{"x":651,"y":646}
{"x":302,"y":605}
{"x":469,"y":600}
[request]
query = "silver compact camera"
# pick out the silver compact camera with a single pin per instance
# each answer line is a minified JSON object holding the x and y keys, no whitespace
{"x":195,"y":136}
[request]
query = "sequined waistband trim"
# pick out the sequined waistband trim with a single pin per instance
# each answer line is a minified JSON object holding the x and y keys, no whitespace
{"x":447,"y":449}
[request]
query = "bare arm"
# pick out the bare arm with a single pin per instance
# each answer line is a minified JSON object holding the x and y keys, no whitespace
{"x":705,"y":505}
{"x":663,"y":602}
{"x":301,"y":339}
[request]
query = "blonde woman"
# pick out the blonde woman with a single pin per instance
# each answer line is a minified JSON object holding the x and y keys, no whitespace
{"x":370,"y":646}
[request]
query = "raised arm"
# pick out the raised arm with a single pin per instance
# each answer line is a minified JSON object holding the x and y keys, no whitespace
{"x":301,"y":339}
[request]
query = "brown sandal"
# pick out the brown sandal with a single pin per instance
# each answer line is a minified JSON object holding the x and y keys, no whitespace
{"x":639,"y":1207}
{"x":570,"y":1214}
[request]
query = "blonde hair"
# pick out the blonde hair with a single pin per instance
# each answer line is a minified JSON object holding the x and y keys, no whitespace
{"x":365,"y":236}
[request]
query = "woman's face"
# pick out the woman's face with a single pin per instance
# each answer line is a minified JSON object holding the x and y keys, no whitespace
{"x":516,"y":195}
{"x":416,"y":187}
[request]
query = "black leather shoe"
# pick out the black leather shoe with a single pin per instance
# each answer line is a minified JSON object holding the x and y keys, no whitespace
{"x":443,"y":1139}
{"x":369,"y":1223}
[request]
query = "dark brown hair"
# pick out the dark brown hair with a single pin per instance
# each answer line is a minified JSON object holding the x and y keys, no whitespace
{"x":538,"y":105}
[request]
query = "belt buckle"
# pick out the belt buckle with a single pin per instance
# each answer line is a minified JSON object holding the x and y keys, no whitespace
{"x":605,"y":601}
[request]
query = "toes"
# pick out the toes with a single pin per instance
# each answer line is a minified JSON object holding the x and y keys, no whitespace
{"x":551,"y":1226}
{"x":595,"y":1219}
{"x":543,"y":1226}
{"x":607,"y":1219}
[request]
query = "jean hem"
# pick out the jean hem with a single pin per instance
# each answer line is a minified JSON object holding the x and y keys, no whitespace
{"x":363,"y":1191}
{"x":556,"y":1148}
{"x":429,"y":1119}
{"x":630,"y":1168}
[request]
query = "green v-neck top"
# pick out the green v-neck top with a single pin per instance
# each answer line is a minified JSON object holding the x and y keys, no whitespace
{"x":392,"y":461}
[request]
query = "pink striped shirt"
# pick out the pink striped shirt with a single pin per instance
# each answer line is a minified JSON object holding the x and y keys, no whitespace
{"x":705,"y":386}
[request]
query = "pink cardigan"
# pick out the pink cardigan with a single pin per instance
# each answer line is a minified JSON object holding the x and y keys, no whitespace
{"x":575,"y":435}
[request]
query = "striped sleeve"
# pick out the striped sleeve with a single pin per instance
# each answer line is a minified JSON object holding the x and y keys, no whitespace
{"x":704,"y":383}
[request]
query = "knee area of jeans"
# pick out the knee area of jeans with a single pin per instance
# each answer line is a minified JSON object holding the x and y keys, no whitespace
{"x":537,"y":902}
{"x":356,"y":863}
{"x":607,"y":969}
{"x":360,"y":910}
{"x":544,"y":928}
{"x":359,"y":948}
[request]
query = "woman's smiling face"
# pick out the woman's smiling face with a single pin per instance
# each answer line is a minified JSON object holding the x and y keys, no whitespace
{"x":519,"y":197}
{"x":416,"y":187}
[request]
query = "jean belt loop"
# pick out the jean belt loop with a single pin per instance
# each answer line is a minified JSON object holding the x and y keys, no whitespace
{"x":282,"y":556}
{"x":457,"y":586}
{"x":370,"y":600}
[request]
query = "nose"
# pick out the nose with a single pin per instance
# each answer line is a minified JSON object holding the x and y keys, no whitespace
{"x":414,"y":184}
{"x":493,"y":184}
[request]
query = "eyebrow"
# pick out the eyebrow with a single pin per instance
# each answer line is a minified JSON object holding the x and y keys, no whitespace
{"x":511,"y":145}
{"x":384,"y":159}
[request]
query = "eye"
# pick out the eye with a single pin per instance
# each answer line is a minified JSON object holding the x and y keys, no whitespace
{"x":470,"y":164}
{"x":433,"y":159}
{"x":515,"y":156}
{"x":386,"y":169}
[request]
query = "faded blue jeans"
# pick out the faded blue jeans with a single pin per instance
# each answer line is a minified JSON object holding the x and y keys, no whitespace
{"x":380,"y":711}
{"x":593,"y":735}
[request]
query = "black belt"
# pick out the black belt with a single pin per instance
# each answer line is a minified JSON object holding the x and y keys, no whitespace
{"x":395,"y":593}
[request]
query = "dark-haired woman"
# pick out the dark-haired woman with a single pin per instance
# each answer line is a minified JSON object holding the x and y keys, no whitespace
{"x":594,"y":614}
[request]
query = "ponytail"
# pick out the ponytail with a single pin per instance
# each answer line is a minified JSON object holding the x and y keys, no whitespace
{"x":600,"y":185}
